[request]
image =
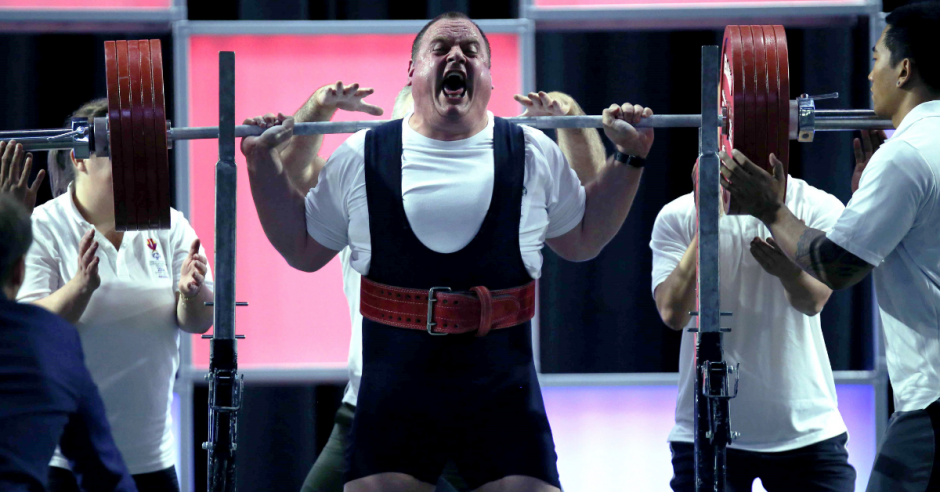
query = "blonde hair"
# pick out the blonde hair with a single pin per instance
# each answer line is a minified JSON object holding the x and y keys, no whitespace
{"x":403,"y":103}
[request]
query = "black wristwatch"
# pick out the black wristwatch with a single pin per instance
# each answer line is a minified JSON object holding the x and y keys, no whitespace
{"x":629,"y":160}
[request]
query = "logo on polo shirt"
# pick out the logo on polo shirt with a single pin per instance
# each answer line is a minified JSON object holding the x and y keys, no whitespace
{"x":153,"y":248}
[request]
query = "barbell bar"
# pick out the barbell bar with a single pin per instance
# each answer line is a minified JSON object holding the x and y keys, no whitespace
{"x":757,"y":117}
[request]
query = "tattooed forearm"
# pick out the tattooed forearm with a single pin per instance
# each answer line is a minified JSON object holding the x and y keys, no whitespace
{"x":829,"y":262}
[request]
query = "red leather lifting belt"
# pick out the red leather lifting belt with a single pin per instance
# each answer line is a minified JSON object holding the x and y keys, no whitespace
{"x":477,"y":311}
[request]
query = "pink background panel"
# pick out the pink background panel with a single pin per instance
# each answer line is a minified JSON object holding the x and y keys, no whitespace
{"x":673,"y":3}
{"x":85,"y":4}
{"x":296,"y":318}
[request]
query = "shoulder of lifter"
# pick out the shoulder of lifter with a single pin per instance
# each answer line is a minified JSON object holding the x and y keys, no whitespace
{"x":535,"y":138}
{"x":806,"y":198}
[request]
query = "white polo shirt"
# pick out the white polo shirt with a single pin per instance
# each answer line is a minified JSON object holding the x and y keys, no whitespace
{"x":893,"y":223}
{"x":787,"y":397}
{"x":128,"y":331}
{"x":446,"y":188}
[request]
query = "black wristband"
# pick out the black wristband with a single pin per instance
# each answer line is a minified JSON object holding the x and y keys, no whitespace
{"x":629,"y":160}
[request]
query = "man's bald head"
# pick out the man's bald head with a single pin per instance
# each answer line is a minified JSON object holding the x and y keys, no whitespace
{"x":449,"y":15}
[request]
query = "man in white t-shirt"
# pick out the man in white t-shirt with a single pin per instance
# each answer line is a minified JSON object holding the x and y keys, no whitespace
{"x":424,"y":228}
{"x":129,"y":293}
{"x":582,"y":147}
{"x":890,"y":226}
{"x":786,"y":411}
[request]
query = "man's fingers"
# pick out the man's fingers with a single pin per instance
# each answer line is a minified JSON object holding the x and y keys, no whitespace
{"x":627,"y":112}
{"x":200,"y":267}
{"x":525,"y":101}
{"x":728,"y":165}
{"x":40,"y":176}
{"x":85,"y":242}
{"x":194,"y":247}
{"x":89,"y":254}
{"x":866,"y":142}
{"x":8,"y":151}
{"x":880,"y":136}
{"x":93,"y":267}
{"x":27,"y":167}
{"x":199,"y":278}
{"x":779,"y":172}
{"x":773,"y":244}
{"x":351,"y":89}
{"x":371,"y":109}
{"x":857,"y":146}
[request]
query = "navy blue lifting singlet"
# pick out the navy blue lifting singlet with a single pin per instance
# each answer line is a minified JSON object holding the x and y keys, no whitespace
{"x":426,"y":399}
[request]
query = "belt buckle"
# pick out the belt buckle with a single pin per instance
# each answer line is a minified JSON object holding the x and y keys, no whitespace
{"x":431,"y":301}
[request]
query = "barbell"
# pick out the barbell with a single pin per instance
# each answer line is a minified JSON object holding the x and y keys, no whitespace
{"x":757,"y":117}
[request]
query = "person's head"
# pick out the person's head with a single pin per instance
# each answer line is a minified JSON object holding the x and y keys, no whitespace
{"x":403,"y":103}
{"x":907,"y":61}
{"x":16,"y":235}
{"x":60,"y":165}
{"x":449,"y":71}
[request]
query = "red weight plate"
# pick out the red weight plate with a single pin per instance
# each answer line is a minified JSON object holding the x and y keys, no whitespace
{"x":160,"y":133}
{"x":783,"y":78}
{"x":749,"y":144}
{"x":732,"y":95}
{"x":127,"y":139}
{"x":773,"y":103}
{"x":761,"y":151}
{"x":115,"y":136}
{"x":141,"y":183}
{"x":149,"y":163}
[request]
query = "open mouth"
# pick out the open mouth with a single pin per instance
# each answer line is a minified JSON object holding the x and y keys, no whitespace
{"x":454,"y":85}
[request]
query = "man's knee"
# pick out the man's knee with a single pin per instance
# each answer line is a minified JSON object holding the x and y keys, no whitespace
{"x":518,"y":483}
{"x":388,"y":482}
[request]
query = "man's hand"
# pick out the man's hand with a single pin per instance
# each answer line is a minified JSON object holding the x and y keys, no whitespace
{"x":86,"y":278}
{"x":864,"y":149}
{"x":753,"y":191}
{"x":618,"y":126}
{"x":14,"y":175}
{"x":193,"y":274}
{"x":543,"y":104}
{"x":278,"y":130}
{"x":773,"y":260}
{"x":337,"y":96}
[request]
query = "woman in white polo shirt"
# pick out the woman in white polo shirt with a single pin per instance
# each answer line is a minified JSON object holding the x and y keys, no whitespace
{"x":128,"y":293}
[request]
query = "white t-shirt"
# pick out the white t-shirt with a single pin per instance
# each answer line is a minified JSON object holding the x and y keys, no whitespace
{"x":787,"y":397}
{"x":128,"y":331}
{"x":893,"y":223}
{"x":446,"y":188}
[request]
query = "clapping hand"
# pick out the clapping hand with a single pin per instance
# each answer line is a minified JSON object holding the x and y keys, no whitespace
{"x":14,"y":174}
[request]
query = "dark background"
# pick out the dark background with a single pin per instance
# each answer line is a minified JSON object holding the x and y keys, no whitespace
{"x":601,"y":316}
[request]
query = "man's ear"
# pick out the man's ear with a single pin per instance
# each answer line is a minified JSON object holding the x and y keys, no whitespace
{"x":411,"y":71}
{"x":79,"y":164}
{"x":904,"y":75}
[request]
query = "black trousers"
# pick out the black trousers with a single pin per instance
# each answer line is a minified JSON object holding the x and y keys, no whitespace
{"x":62,"y":480}
{"x":820,"y":467}
{"x":909,"y":453}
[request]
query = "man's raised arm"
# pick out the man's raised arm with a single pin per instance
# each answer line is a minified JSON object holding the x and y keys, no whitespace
{"x":610,"y":195}
{"x":280,"y":206}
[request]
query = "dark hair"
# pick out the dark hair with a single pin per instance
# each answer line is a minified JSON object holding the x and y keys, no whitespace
{"x":449,"y":15}
{"x":59,"y":164}
{"x":16,"y":235}
{"x":913,"y":34}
